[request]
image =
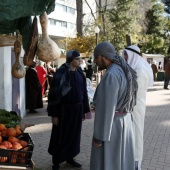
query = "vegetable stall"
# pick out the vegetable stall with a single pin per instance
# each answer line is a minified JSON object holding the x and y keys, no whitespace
{"x":20,"y":17}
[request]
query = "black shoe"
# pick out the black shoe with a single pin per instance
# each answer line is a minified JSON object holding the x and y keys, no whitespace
{"x":33,"y":111}
{"x":166,"y":88}
{"x":74,"y":164}
{"x":55,"y":167}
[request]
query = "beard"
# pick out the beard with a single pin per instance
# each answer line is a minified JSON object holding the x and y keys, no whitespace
{"x":102,"y":65}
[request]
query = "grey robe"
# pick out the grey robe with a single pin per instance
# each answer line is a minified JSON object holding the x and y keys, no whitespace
{"x":116,"y":132}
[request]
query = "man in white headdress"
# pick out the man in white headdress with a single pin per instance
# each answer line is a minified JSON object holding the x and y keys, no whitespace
{"x":145,"y":80}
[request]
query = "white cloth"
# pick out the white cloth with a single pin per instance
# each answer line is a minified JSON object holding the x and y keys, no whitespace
{"x":83,"y":64}
{"x":90,"y":89}
{"x":138,"y":165}
{"x":134,"y":59}
{"x":145,"y":80}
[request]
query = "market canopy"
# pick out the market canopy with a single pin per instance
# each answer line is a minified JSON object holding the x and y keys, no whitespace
{"x":16,"y":15}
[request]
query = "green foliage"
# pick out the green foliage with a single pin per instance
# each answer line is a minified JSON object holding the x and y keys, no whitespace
{"x":158,"y":26}
{"x":83,"y":44}
{"x":167,"y":5}
{"x":122,"y":20}
{"x":37,"y":168}
{"x":156,"y":20}
{"x":8,"y":118}
{"x":153,"y":44}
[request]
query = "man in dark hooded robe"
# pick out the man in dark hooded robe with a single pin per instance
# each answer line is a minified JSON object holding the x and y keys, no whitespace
{"x":67,"y":105}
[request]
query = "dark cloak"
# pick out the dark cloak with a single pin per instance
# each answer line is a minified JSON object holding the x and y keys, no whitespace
{"x":69,"y":108}
{"x":89,"y":72}
{"x":33,"y":90}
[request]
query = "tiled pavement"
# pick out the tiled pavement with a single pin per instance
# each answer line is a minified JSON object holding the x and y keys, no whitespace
{"x":156,"y":135}
{"x":157,"y":129}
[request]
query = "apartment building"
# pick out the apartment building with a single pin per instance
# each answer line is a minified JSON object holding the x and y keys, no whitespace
{"x":62,"y":21}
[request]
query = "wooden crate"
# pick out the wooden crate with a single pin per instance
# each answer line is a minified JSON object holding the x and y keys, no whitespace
{"x":6,"y":167}
{"x":19,"y":157}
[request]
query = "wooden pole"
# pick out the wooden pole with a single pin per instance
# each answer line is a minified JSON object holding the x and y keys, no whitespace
{"x":128,"y":40}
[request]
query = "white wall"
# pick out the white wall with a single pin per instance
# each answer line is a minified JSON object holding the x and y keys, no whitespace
{"x":155,"y":57}
{"x":22,"y":90}
{"x":6,"y":82}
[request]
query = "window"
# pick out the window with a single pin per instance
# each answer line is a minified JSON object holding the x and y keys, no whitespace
{"x":52,"y":21}
{"x":64,"y":24}
{"x":58,"y":23}
{"x":71,"y":25}
{"x":63,"y":8}
{"x":55,"y":22}
{"x":71,"y":10}
{"x":60,"y":8}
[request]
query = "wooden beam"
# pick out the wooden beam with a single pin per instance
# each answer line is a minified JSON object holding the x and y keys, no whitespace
{"x":8,"y":40}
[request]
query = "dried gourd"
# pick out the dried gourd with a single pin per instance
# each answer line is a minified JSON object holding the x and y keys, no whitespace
{"x":32,"y":45}
{"x":18,"y":70}
{"x":47,"y":49}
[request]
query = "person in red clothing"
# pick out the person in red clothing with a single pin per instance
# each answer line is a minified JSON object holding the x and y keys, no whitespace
{"x":41,"y":71}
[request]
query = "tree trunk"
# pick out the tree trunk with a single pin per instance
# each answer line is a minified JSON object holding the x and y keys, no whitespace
{"x":104,"y":24}
{"x":128,"y":40}
{"x":102,"y":11}
{"x":79,"y":6}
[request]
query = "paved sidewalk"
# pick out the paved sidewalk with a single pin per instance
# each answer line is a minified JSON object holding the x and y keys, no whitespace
{"x":157,"y":129}
{"x":156,"y":135}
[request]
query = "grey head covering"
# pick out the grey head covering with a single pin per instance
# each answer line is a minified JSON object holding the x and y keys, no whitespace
{"x":107,"y":50}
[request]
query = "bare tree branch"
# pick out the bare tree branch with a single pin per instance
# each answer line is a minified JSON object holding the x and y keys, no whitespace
{"x":97,"y":4}
{"x":90,"y":10}
{"x":105,"y":7}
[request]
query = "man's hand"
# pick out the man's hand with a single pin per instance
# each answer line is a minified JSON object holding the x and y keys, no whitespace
{"x":96,"y":144}
{"x":55,"y":121}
